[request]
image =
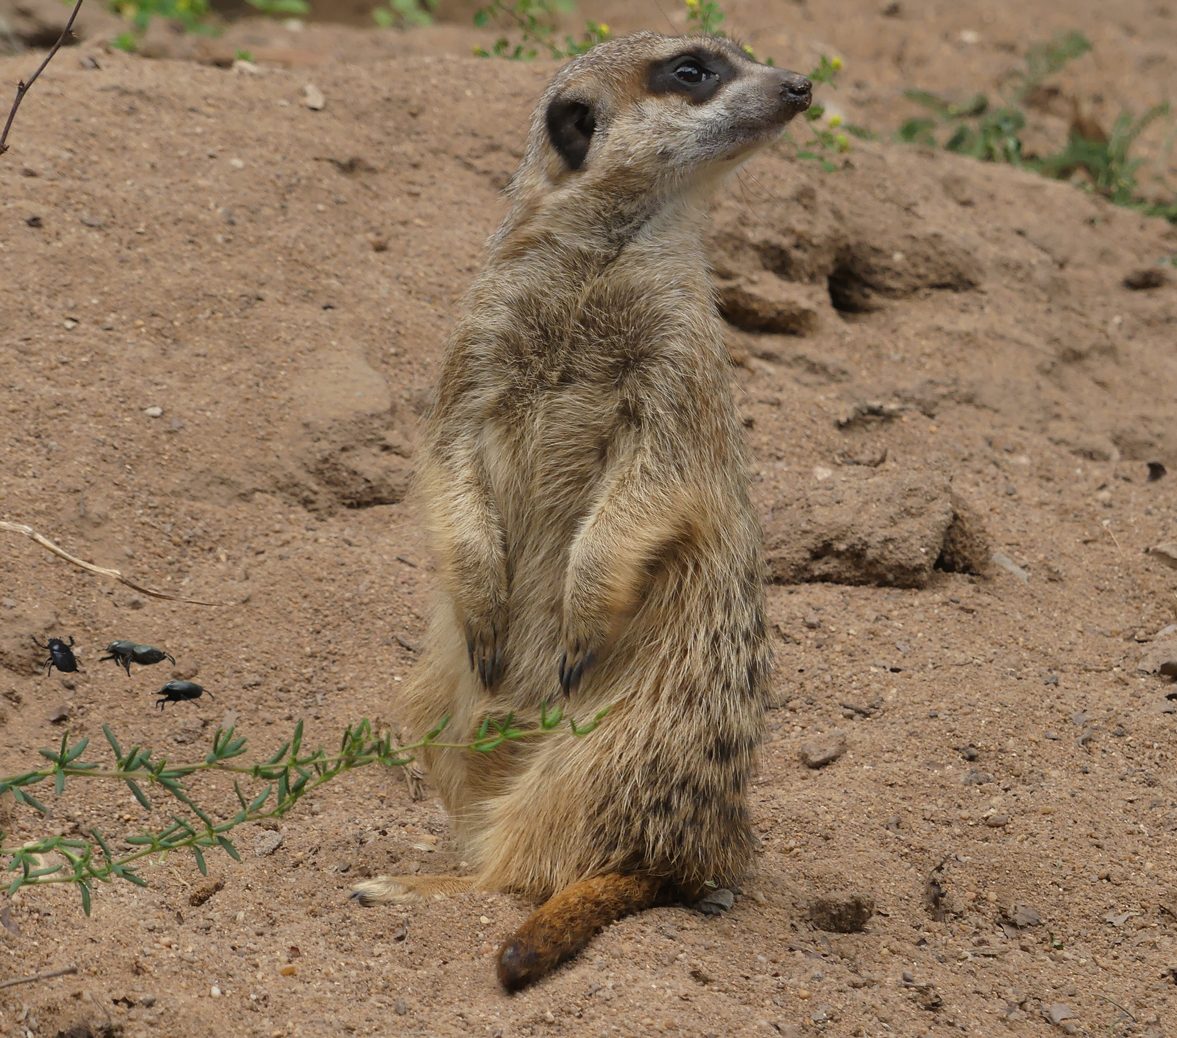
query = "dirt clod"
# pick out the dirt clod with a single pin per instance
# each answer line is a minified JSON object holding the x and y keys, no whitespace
{"x":205,"y":889}
{"x":817,"y":753}
{"x":842,"y":911}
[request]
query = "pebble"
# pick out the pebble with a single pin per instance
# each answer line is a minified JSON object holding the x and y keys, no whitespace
{"x":60,"y":714}
{"x":976,"y":778}
{"x":716,"y":901}
{"x":817,"y":753}
{"x":266,"y":843}
{"x":842,"y":912}
{"x":153,"y":412}
{"x":812,"y":621}
{"x":313,"y":97}
{"x":215,"y":992}
{"x":1166,"y":553}
{"x":400,"y":1008}
{"x":136,"y":602}
{"x":997,"y":821}
{"x":1008,"y":564}
{"x":1023,"y":916}
{"x":1059,"y":1012}
{"x":1161,"y":653}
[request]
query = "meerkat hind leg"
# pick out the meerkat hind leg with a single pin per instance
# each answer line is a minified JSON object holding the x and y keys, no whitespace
{"x":409,"y":890}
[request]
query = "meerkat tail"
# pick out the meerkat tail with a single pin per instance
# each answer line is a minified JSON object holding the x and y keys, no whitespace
{"x":567,"y":922}
{"x":408,"y":890}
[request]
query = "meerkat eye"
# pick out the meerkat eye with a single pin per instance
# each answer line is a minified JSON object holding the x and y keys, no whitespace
{"x":692,"y":73}
{"x":698,"y":77}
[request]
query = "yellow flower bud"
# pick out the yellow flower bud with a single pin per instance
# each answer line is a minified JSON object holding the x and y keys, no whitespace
{"x":836,"y":64}
{"x":835,"y":120}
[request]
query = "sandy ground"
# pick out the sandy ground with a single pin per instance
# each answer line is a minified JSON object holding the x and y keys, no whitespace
{"x":278,"y":282}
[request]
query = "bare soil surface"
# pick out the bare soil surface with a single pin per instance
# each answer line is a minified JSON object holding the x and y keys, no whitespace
{"x":222,"y":313}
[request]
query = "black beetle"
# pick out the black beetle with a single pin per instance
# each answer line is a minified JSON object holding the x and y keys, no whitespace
{"x":60,"y":655}
{"x":126,"y":653}
{"x":121,"y":653}
{"x":178,"y":691}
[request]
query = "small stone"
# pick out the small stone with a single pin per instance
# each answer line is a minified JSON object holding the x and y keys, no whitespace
{"x":215,"y":991}
{"x":812,"y":621}
{"x":1166,"y":553}
{"x":1023,"y":916}
{"x":34,"y":221}
{"x":842,"y":911}
{"x":1059,"y":1012}
{"x":716,"y":901}
{"x":136,"y":602}
{"x":976,"y":778}
{"x":287,"y":971}
{"x":399,"y":1007}
{"x":1160,"y":655}
{"x":153,"y":412}
{"x":550,"y":1017}
{"x":69,"y":324}
{"x":817,"y":753}
{"x":59,"y":714}
{"x":266,"y":843}
{"x":237,"y":163}
{"x":1156,"y":470}
{"x":313,"y":97}
{"x":1008,"y":564}
{"x":185,"y":673}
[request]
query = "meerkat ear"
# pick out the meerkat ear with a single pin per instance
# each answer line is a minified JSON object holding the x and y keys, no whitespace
{"x":570,"y":129}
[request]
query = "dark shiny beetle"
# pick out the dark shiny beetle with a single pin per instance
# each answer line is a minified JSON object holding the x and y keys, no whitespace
{"x":178,"y":691}
{"x":60,"y":655}
{"x":126,"y":653}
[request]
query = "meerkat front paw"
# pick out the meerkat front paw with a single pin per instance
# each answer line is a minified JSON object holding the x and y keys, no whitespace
{"x":581,"y":651}
{"x":485,"y":640}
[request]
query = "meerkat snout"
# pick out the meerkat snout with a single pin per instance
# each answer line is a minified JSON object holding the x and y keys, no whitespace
{"x":797,"y":91}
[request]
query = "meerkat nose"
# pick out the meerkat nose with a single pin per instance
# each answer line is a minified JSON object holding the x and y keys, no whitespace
{"x":799,"y":87}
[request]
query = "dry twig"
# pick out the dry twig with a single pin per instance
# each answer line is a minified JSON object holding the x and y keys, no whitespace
{"x":22,"y":87}
{"x":28,"y":531}
{"x":39,"y":976}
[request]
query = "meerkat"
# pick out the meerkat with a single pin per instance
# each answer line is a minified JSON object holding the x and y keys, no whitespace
{"x":583,"y":480}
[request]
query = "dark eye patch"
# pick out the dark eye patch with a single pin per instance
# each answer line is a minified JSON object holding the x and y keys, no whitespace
{"x":697,"y":75}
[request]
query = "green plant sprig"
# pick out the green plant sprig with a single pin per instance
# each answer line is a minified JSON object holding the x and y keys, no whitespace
{"x":535,"y":20}
{"x":289,"y":777}
{"x":992,"y":132}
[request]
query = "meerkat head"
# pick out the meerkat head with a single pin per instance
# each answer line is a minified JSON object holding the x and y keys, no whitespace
{"x":648,"y":116}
